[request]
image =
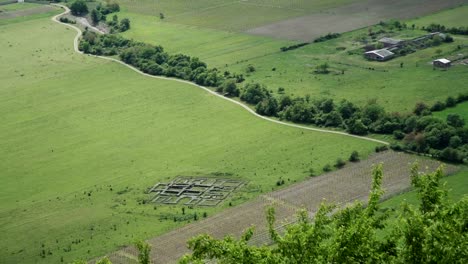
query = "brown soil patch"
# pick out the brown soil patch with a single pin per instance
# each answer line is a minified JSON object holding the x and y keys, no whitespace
{"x":26,"y":12}
{"x":342,"y":186}
{"x":351,"y":17}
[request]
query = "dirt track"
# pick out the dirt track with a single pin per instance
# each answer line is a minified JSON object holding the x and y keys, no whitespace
{"x":351,"y":17}
{"x":342,"y":186}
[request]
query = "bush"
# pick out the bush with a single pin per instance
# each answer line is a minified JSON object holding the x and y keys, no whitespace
{"x":450,"y":102}
{"x":250,"y":69}
{"x":327,"y":37}
{"x":339,"y":163}
{"x":438,"y":106}
{"x":396,"y":147}
{"x":354,"y":156}
{"x":381,"y":148}
{"x":327,"y":168}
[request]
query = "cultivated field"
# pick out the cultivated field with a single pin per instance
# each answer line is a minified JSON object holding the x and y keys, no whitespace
{"x":82,"y":140}
{"x":216,"y":47}
{"x":343,"y":186}
{"x":13,"y":13}
{"x":350,"y":17}
{"x":230,"y":15}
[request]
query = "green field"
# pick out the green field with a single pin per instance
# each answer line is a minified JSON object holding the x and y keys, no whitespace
{"x":230,"y":15}
{"x":294,"y":70}
{"x":217,"y":48}
{"x":82,"y":139}
{"x":456,"y":17}
{"x":461,"y":109}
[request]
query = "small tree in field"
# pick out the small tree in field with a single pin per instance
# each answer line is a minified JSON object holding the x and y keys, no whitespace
{"x":322,"y":68}
{"x":95,"y":17}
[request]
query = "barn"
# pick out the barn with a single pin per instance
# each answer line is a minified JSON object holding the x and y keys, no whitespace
{"x":442,"y":63}
{"x":379,"y":55}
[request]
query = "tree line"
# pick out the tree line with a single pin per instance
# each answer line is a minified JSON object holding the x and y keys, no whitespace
{"x":417,"y":131}
{"x":441,"y":28}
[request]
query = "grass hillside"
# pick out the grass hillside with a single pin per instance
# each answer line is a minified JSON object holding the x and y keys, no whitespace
{"x":82,"y":140}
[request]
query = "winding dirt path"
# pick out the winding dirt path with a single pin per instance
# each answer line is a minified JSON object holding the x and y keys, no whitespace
{"x":75,"y":45}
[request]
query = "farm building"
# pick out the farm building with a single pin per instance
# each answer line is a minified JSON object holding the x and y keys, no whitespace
{"x":442,"y":63}
{"x":390,"y":42}
{"x":379,"y":55}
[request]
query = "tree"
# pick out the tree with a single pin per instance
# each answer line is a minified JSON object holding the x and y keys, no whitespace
{"x":229,"y":88}
{"x":421,"y":109}
{"x":161,"y":16}
{"x":95,"y":17}
{"x":253,"y":93}
{"x":357,"y":127}
{"x":143,"y":252}
{"x":124,"y":24}
{"x":79,"y":8}
{"x":268,"y":107}
{"x":455,"y":120}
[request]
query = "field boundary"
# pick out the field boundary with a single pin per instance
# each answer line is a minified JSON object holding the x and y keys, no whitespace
{"x":250,"y":110}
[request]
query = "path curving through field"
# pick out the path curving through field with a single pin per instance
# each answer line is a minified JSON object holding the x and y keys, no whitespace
{"x":75,"y":46}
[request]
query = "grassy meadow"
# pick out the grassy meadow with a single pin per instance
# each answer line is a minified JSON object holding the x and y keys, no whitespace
{"x":82,"y":140}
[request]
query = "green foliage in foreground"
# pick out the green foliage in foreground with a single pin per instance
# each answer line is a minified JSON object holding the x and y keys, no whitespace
{"x":434,"y":232}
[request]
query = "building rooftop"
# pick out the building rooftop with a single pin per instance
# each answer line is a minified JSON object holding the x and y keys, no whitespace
{"x":381,"y":53}
{"x":444,"y":61}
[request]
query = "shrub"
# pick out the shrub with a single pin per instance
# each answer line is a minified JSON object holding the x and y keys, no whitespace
{"x":327,"y":168}
{"x":381,"y":148}
{"x":438,"y":106}
{"x":339,"y":163}
{"x":354,"y":156}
